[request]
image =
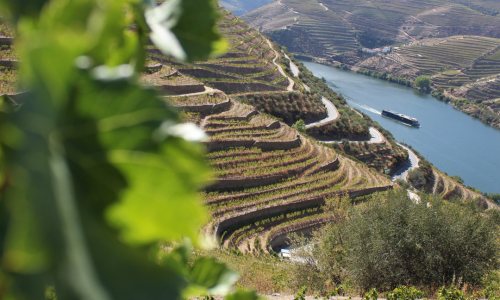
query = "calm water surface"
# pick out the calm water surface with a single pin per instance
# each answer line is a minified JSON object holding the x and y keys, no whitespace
{"x":453,"y":141}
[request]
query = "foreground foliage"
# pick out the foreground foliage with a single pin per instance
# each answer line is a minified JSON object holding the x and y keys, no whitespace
{"x":94,"y":171}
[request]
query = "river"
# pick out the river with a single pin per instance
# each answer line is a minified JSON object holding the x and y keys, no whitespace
{"x":451,"y":140}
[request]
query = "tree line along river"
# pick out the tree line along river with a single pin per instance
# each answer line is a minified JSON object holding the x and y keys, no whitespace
{"x":451,"y":140}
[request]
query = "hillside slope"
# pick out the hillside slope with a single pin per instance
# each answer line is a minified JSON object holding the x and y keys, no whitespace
{"x":270,"y":179}
{"x":341,"y":26}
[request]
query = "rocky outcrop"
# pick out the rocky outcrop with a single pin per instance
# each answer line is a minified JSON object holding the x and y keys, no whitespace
{"x":382,"y":64}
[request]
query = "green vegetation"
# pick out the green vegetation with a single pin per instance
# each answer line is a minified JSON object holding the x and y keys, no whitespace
{"x":300,"y":126}
{"x":94,"y":148}
{"x":494,"y":197}
{"x":457,"y":52}
{"x":392,"y":240}
{"x":287,"y":106}
{"x":416,"y":178}
{"x":347,"y":24}
{"x":8,"y":81}
{"x":404,"y":292}
{"x":385,"y":76}
{"x":422,"y":82}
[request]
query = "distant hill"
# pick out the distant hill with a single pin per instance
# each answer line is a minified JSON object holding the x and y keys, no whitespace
{"x":240,"y":7}
{"x":455,"y":42}
{"x":329,"y":27}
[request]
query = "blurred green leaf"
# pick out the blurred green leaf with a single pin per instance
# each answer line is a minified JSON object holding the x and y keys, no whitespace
{"x":215,"y":277}
{"x":197,"y":29}
{"x":95,"y":170}
{"x":186,"y":29}
{"x":151,"y":209}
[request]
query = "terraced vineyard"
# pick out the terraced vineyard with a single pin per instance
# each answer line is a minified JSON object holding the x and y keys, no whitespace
{"x":488,"y":66}
{"x":8,"y":60}
{"x":457,"y":52}
{"x":335,"y":25}
{"x":288,"y":106}
{"x":248,"y":66}
{"x":447,"y":188}
{"x":328,"y":31}
{"x":269,"y":176}
{"x":269,"y":179}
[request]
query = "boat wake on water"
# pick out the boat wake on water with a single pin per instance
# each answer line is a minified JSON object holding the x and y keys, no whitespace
{"x":365,"y":107}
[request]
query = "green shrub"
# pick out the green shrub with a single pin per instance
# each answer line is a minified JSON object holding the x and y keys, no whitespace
{"x":300,"y":126}
{"x":394,"y":240}
{"x":403,"y":292}
{"x":371,"y":295}
{"x":422,"y":82}
{"x":416,"y":178}
{"x":405,"y":185}
{"x":450,"y":294}
{"x":391,"y":241}
{"x":301,"y":294}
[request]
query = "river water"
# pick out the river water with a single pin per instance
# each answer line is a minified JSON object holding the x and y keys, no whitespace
{"x":451,"y":140}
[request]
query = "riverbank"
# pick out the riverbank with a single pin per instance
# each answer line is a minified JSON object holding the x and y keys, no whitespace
{"x":487,"y":112}
{"x":454,"y":142}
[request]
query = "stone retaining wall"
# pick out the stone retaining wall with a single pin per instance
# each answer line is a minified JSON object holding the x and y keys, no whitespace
{"x":251,"y":214}
{"x":238,"y":70}
{"x":220,"y":145}
{"x":234,"y":55}
{"x":163,"y":59}
{"x":274,"y":125}
{"x":228,"y":183}
{"x":264,"y":145}
{"x":278,"y":145}
{"x":180,"y":89}
{"x":9,"y":63}
{"x":269,"y":77}
{"x":238,"y":118}
{"x":153,"y":69}
{"x":279,"y":237}
{"x":330,"y":166}
{"x":202,"y":73}
{"x":223,"y":106}
{"x":6,"y":40}
{"x":244,"y":87}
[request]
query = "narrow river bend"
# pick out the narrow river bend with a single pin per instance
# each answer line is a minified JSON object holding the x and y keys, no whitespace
{"x":453,"y":141}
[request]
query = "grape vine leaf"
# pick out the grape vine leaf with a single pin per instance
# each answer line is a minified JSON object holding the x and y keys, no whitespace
{"x":185,"y":29}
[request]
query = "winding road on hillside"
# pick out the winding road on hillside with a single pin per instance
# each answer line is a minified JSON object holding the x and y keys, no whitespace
{"x":377,"y":138}
{"x":332,"y":112}
{"x":293,"y":67}
{"x":290,"y":80}
{"x":412,"y":164}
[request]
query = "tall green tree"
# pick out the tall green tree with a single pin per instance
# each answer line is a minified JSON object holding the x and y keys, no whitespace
{"x":300,"y":126}
{"x":95,"y":171}
{"x":422,"y":82}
